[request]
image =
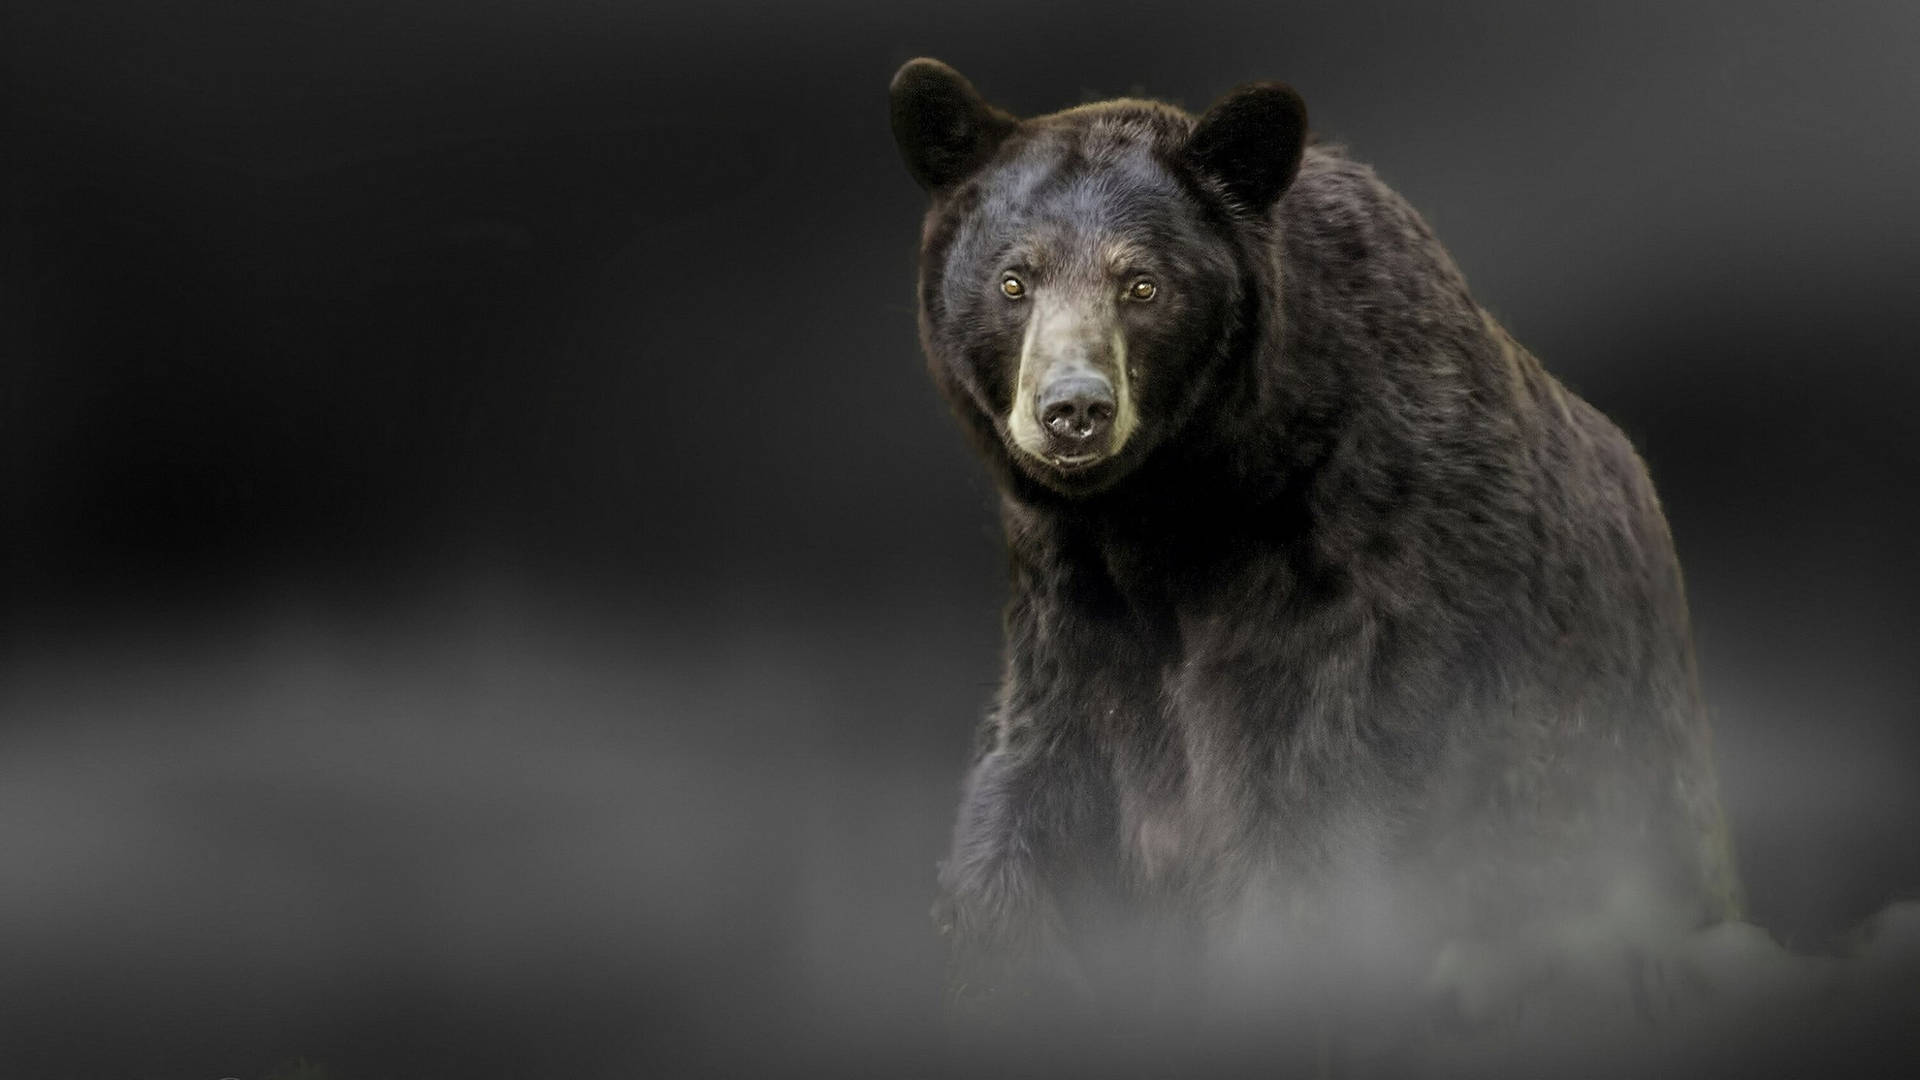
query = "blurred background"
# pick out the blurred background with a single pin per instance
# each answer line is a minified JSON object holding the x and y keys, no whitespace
{"x":489,"y":589}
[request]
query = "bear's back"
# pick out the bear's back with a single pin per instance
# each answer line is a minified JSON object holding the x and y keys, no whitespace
{"x":1495,"y":513}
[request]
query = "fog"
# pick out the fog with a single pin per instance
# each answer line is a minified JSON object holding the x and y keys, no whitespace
{"x":488,"y":589}
{"x":504,"y":838}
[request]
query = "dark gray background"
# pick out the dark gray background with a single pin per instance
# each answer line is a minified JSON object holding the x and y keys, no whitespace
{"x":490,"y":590}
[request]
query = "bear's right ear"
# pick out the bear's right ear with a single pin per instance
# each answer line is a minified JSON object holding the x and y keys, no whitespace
{"x":944,"y":128}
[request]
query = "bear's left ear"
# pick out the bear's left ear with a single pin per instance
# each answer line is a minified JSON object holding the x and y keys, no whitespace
{"x":1251,"y":142}
{"x":945,"y":129}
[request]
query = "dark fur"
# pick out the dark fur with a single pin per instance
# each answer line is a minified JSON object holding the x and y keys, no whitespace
{"x":1371,"y":590}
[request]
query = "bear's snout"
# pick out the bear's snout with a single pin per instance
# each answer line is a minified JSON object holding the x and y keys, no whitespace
{"x":1072,"y":406}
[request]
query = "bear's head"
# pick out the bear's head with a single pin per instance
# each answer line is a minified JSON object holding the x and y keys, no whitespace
{"x":1089,"y":280}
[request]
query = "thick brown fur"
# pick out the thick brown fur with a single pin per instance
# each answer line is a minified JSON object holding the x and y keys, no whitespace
{"x":1371,"y":598}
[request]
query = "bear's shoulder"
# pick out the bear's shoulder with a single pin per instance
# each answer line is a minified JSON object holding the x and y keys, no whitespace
{"x":1351,"y":239}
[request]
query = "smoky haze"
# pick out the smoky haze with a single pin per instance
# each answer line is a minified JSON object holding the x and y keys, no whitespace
{"x":491,"y":591}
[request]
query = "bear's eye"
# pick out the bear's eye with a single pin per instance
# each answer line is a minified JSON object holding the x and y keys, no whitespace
{"x":1143,"y":289}
{"x":1012,"y":287}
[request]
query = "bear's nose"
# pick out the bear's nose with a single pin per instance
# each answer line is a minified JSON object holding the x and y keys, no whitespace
{"x":1075,"y":408}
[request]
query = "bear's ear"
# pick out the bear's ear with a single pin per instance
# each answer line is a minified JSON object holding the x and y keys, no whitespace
{"x":944,"y":128}
{"x":1251,"y":142}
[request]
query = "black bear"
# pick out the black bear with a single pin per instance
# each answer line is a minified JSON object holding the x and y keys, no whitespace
{"x":1326,"y":597}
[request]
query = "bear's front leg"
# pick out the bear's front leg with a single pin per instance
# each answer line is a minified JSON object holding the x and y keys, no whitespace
{"x":1007,"y":949}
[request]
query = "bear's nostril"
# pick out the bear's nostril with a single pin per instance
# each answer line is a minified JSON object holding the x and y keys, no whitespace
{"x":1072,"y":420}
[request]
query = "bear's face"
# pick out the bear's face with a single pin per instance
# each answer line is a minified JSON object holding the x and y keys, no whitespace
{"x":1082,"y":273}
{"x":1079,"y":299}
